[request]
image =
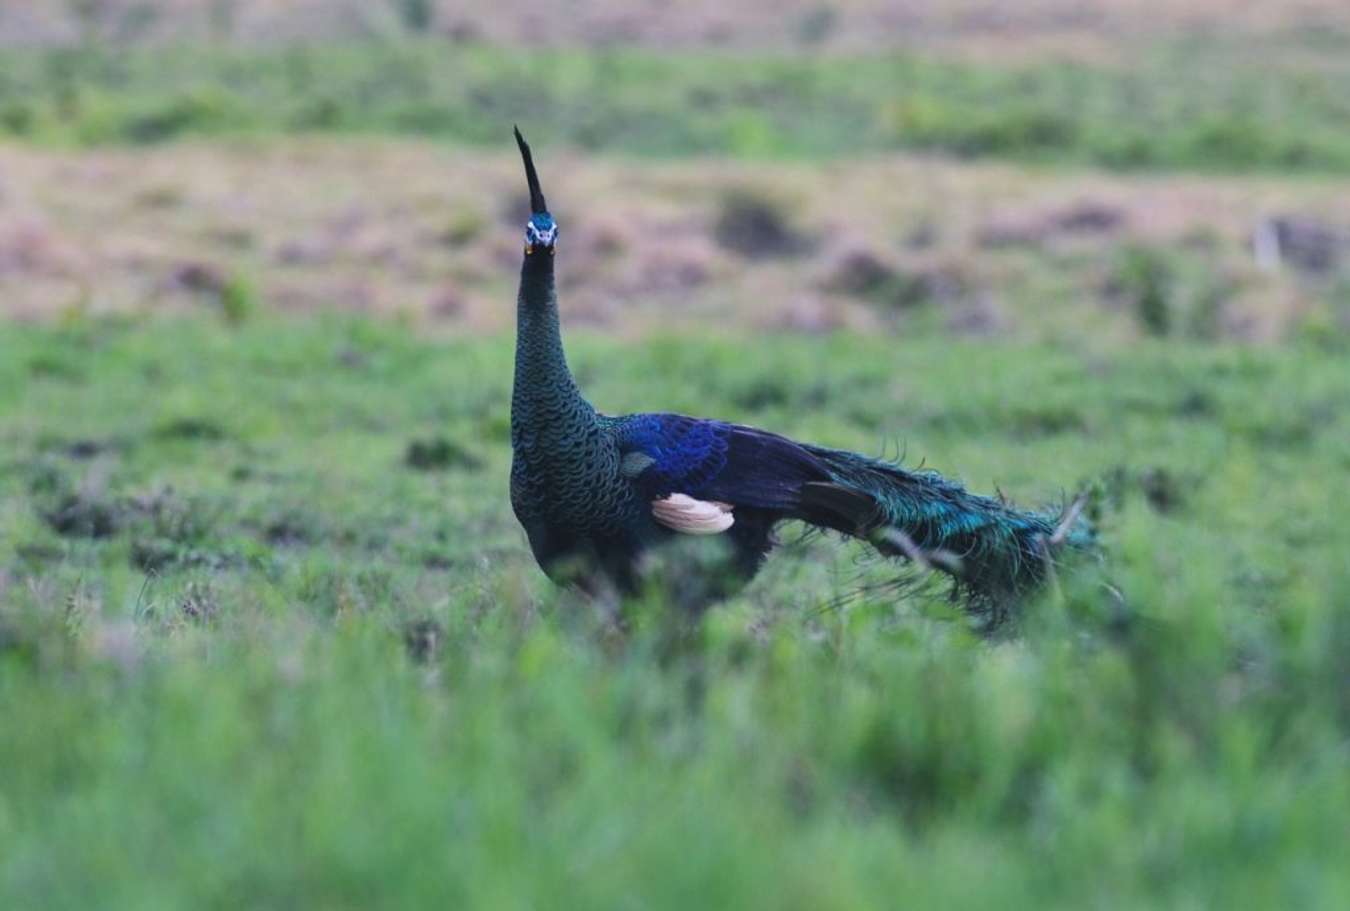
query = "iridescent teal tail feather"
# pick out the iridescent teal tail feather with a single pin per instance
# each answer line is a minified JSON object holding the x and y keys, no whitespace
{"x":994,"y":552}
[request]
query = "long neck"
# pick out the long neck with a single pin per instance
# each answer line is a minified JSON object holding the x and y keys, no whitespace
{"x":544,"y":389}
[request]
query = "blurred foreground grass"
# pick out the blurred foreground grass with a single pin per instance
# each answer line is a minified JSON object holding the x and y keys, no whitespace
{"x":269,"y":637}
{"x":1195,"y":104}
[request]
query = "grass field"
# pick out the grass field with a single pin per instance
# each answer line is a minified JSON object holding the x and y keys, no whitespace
{"x":1184,"y":104}
{"x":270,"y":637}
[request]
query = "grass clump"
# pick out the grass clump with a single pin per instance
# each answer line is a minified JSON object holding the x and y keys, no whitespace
{"x":1145,"y":278}
{"x":439,"y":454}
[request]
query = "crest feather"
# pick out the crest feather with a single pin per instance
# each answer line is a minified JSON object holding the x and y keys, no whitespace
{"x":537,"y":204}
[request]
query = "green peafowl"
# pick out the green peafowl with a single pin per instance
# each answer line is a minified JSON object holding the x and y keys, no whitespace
{"x":596,"y":493}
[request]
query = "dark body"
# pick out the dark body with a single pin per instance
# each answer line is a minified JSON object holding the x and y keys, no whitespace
{"x":595,"y":494}
{"x":582,"y":483}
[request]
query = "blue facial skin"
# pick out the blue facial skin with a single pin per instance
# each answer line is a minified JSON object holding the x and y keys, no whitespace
{"x":541,"y":231}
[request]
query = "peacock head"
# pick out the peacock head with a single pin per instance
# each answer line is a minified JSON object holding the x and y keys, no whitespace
{"x":541,"y":231}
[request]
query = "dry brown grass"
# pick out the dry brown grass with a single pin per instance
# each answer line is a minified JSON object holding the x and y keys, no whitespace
{"x":419,"y":230}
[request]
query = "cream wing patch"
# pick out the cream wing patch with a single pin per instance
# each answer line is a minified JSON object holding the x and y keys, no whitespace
{"x":692,"y":517}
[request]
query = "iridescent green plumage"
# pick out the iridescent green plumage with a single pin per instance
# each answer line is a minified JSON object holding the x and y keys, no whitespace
{"x":584,"y":484}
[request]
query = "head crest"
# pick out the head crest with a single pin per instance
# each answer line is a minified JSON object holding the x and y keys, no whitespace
{"x":537,"y":203}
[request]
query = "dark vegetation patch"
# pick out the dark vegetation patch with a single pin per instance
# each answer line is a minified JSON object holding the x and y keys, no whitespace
{"x":424,"y":639}
{"x":44,"y":478}
{"x":160,"y":555}
{"x":440,"y":454}
{"x":859,"y":270}
{"x":1197,"y":403}
{"x":292,"y":527}
{"x":82,"y":449}
{"x":1024,"y":422}
{"x":37,"y":555}
{"x":758,"y":226}
{"x":330,"y":591}
{"x":758,"y":393}
{"x":165,"y":528}
{"x":53,"y":366}
{"x":196,"y":429}
{"x":1143,"y":278}
{"x":1182,"y":290}
{"x":863,"y":272}
{"x":1086,"y":218}
{"x":1089,"y":217}
{"x":172,"y":530}
{"x":84,"y":515}
{"x":87,"y":449}
{"x":937,"y":285}
{"x":155,"y":556}
{"x":1193,"y":404}
{"x":228,"y":290}
{"x":202,"y":277}
{"x":1163,"y":489}
{"x":1045,"y":420}
{"x":198,"y":603}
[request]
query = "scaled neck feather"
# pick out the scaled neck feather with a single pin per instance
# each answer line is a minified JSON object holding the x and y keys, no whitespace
{"x":544,"y":387}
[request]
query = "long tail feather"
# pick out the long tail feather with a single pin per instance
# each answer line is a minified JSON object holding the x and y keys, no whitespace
{"x":993,"y":551}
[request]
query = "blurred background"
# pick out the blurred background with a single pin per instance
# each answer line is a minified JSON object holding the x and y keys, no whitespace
{"x":1105,"y":169}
